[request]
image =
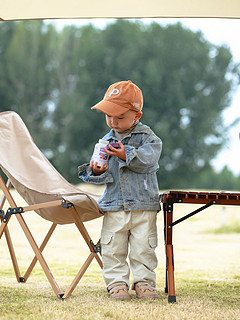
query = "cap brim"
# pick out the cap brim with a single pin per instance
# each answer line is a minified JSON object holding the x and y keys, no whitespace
{"x":109,"y":108}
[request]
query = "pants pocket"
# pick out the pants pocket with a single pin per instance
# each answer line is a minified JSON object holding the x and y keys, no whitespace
{"x":106,"y":238}
{"x":107,"y":249}
{"x":153,"y":241}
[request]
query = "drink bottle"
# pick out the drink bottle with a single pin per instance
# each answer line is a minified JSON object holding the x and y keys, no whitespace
{"x":99,"y":155}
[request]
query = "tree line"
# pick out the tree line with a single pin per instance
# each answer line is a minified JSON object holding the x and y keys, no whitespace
{"x":52,"y":78}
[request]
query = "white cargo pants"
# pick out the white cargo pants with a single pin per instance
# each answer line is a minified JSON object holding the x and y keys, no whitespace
{"x":124,"y":229}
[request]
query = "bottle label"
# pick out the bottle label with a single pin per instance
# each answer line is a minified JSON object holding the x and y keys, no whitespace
{"x":99,"y":155}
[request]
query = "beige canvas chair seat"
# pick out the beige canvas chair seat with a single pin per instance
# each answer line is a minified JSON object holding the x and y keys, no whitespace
{"x":45,"y":191}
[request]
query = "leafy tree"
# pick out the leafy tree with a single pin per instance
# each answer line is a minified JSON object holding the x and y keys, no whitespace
{"x":53,"y":78}
{"x":186,"y":82}
{"x":75,"y":126}
{"x":224,"y":180}
{"x":27,"y":66}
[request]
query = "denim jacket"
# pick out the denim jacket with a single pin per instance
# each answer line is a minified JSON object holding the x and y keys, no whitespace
{"x":130,"y":184}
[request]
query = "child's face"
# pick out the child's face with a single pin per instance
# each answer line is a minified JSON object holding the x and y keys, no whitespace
{"x":124,"y":121}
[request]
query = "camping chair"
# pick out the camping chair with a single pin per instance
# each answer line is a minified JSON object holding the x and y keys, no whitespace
{"x":46,"y":192}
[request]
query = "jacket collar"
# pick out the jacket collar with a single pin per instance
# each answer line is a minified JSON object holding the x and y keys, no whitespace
{"x":139,"y":128}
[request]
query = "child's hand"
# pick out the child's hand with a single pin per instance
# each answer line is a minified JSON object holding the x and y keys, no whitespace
{"x":120,"y":152}
{"x":98,"y":170}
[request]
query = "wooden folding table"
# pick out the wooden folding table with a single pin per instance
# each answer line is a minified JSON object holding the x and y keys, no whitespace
{"x":206,"y":199}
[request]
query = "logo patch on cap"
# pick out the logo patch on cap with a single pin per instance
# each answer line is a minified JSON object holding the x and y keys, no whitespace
{"x":114,"y":91}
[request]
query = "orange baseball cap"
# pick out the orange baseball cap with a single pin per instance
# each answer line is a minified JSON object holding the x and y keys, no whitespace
{"x":119,"y":98}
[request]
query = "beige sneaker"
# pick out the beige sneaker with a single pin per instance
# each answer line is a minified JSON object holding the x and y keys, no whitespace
{"x":119,"y":291}
{"x":145,"y":290}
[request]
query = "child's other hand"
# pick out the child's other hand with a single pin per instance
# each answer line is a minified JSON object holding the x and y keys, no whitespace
{"x":98,"y":170}
{"x":120,"y":152}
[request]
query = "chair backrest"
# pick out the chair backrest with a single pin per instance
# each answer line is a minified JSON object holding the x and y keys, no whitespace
{"x":34,"y":177}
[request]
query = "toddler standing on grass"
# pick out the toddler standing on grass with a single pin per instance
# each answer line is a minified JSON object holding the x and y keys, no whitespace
{"x":131,"y":199}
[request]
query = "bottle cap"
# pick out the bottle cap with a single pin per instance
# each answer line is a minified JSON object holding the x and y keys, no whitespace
{"x":105,"y":142}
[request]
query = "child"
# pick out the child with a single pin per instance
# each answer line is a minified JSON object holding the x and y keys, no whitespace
{"x":131,"y":199}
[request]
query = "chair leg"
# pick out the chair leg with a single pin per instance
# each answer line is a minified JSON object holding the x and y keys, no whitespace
{"x":81,"y":272}
{"x":4,"y":229}
{"x":83,"y":230}
{"x":12,"y":203}
{"x":85,"y":235}
{"x":97,"y":257}
{"x":39,"y":255}
{"x":5,"y":188}
{"x":78,"y":276}
{"x":12,"y":254}
{"x":91,"y":256}
{"x":43,"y":245}
{"x":38,"y":251}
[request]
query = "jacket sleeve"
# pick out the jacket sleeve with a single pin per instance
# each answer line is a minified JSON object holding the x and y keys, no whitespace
{"x":145,"y":158}
{"x":85,"y":173}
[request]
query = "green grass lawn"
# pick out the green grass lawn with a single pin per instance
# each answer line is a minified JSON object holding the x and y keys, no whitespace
{"x":196,"y":299}
{"x":207,"y":272}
